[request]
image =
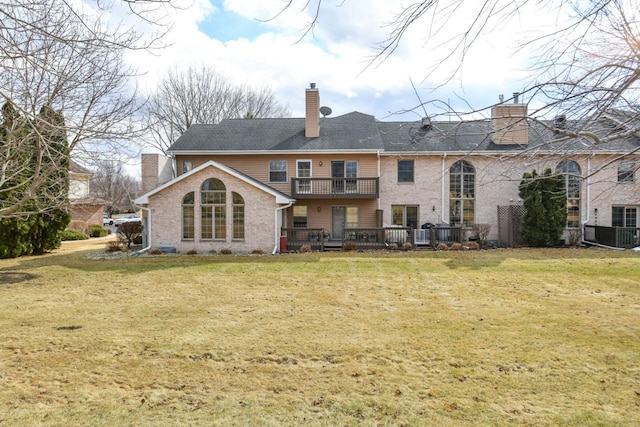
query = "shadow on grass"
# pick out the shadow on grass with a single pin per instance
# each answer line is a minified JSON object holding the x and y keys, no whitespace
{"x":11,"y":277}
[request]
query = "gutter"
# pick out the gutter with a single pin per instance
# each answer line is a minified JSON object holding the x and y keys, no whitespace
{"x":444,"y":157}
{"x":275,"y":226}
{"x":141,"y":251}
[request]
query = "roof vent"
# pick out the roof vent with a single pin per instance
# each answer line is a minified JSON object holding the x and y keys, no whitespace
{"x":312,"y":85}
{"x":560,"y":121}
{"x":516,"y":97}
{"x":426,"y":123}
{"x":501,"y":98}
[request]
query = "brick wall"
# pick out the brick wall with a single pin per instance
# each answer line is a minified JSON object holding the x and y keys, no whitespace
{"x":166,"y":206}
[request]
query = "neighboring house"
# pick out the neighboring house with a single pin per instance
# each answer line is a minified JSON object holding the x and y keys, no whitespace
{"x":243,"y":183}
{"x":84,"y":206}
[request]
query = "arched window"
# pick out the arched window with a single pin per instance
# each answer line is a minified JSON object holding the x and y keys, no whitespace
{"x":188,"y":216}
{"x":238,"y":215}
{"x":462,"y":193}
{"x":213,"y":208}
{"x":573,"y":178}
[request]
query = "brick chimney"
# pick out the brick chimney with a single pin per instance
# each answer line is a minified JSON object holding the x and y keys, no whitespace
{"x":312,"y":112}
{"x":509,"y":122}
{"x":156,"y":170}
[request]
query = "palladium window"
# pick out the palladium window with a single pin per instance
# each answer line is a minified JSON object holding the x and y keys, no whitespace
{"x":462,"y":193}
{"x":213,"y":209}
{"x":188,"y":216}
{"x":278,"y":171}
{"x":405,"y":171}
{"x":571,"y":172}
{"x":238,"y":216}
{"x":405,"y":216}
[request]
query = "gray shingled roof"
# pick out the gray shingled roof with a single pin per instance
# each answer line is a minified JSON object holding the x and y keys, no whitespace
{"x":354,"y":131}
{"x":361,"y":132}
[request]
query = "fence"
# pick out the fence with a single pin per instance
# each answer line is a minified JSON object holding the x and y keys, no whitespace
{"x":616,"y":237}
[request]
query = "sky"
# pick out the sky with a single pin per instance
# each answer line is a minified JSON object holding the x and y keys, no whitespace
{"x":247,"y":41}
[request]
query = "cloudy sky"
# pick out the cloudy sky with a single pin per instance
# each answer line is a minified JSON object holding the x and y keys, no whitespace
{"x":248,"y":42}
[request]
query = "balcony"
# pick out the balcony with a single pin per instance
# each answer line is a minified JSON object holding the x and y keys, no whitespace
{"x":335,"y":188}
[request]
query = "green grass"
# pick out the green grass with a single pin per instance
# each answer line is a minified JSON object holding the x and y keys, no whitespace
{"x":504,"y":337}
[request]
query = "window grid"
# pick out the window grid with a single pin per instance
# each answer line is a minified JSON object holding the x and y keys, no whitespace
{"x":278,"y":171}
{"x":405,"y":171}
{"x":626,"y":171}
{"x":571,"y":172}
{"x":462,"y":193}
{"x":213,"y":210}
{"x":188,"y":216}
{"x":238,"y":216}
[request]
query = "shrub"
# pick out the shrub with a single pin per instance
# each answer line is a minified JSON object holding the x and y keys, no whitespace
{"x":78,"y":225}
{"x":545,"y":201}
{"x":113,"y":246}
{"x":472,"y":245}
{"x":192,"y":252}
{"x":393,"y":246}
{"x":213,"y":251}
{"x":129,"y":232}
{"x":481,"y":232}
{"x":155,"y":251}
{"x":72,"y":234}
{"x":226,"y":251}
{"x":349,"y":246}
{"x":456,"y":247}
{"x":257,"y":252}
{"x":305,"y":248}
{"x":407,"y":246}
{"x":442,"y":247}
{"x":575,"y":237}
{"x":96,"y":230}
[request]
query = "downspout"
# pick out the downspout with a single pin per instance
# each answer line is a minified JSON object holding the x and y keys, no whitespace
{"x":148,"y":231}
{"x":444,"y":157}
{"x":277,"y":235}
{"x":378,"y":153}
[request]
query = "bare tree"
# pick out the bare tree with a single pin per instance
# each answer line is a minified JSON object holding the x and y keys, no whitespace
{"x":204,"y":96}
{"x":111,"y":183}
{"x":588,"y":67}
{"x":54,"y":55}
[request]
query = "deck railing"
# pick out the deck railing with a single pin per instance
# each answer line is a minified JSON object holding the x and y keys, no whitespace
{"x":335,"y":188}
{"x":616,"y":237}
{"x":299,"y":237}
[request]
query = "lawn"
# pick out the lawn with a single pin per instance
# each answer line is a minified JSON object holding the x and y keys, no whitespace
{"x":498,"y":337}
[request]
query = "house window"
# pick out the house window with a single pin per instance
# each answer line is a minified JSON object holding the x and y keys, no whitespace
{"x":624,"y":216}
{"x":341,"y":171}
{"x":213,"y":209}
{"x":238,"y":216}
{"x":352,"y":217}
{"x":187,"y":165}
{"x":405,"y":216}
{"x":188,"y":216}
{"x":299,"y":216}
{"x":571,"y":172}
{"x":405,"y":171}
{"x":303,"y":170}
{"x":626,"y":170}
{"x":462,"y":193}
{"x":278,"y":171}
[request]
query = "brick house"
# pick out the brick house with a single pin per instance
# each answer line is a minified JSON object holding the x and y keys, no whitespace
{"x":243,"y":183}
{"x":85,"y":207}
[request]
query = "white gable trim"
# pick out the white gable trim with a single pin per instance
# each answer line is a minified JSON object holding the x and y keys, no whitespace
{"x":280,"y":198}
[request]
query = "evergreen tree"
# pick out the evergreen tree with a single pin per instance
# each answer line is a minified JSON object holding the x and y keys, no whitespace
{"x":27,"y":146}
{"x":545,"y":203}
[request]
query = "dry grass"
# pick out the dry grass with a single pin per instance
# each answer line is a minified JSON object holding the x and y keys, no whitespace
{"x":521,"y":337}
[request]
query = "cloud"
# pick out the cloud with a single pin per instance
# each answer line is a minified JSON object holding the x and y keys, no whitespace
{"x":250,"y":41}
